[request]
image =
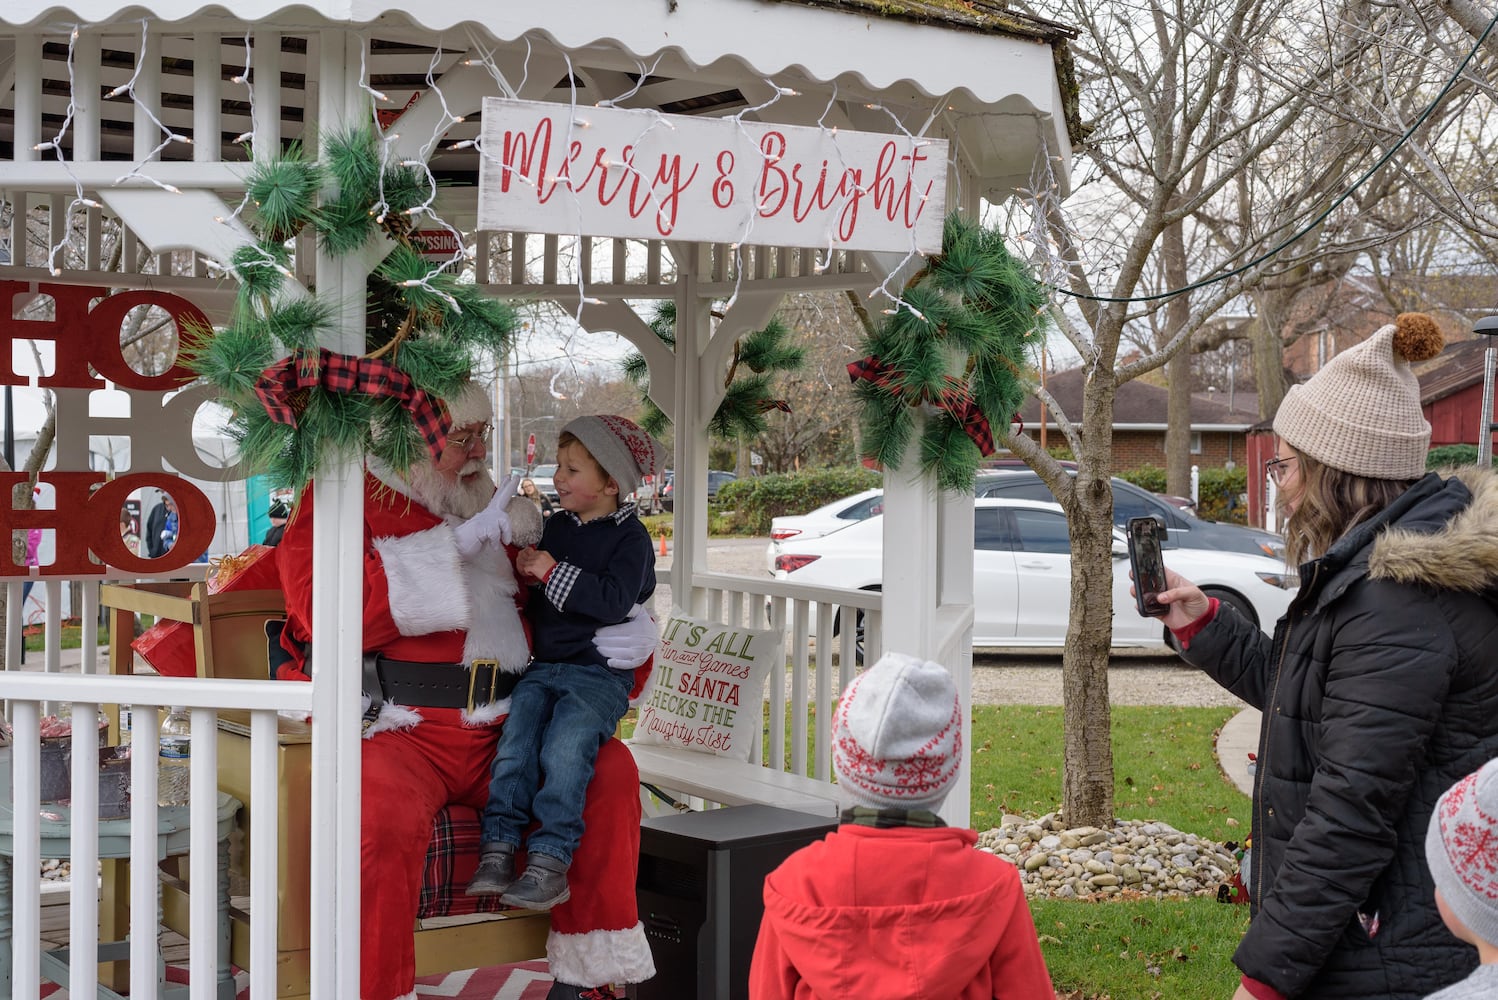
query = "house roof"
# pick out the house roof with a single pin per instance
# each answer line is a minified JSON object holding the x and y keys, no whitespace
{"x":1141,"y":405}
{"x":1004,"y":80}
{"x":1458,"y":366}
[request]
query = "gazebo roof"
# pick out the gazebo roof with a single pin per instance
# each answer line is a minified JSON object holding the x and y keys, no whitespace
{"x":987,"y":69}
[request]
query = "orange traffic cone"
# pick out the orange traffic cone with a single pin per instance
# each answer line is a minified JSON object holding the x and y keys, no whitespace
{"x":663,"y":543}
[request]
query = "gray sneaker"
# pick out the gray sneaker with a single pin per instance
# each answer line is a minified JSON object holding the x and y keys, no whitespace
{"x":495,"y":872}
{"x":541,"y":886}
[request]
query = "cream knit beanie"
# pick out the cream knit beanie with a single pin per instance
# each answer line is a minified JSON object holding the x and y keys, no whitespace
{"x":897,"y":735}
{"x":1361,"y":413}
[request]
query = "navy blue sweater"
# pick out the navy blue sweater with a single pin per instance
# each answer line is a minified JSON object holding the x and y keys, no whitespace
{"x":604,"y":568}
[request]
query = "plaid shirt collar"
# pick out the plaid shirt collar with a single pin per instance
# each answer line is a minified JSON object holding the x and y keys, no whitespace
{"x":618,"y":516}
{"x":884,"y":819}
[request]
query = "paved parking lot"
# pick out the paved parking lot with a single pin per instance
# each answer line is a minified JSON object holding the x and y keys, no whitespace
{"x":1006,"y":677}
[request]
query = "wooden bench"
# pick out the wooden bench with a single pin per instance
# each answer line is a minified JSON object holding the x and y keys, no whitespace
{"x":731,"y":782}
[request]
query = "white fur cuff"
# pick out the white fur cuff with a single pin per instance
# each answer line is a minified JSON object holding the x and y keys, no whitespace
{"x":427,"y":590}
{"x":392,"y":716}
{"x":598,"y":957}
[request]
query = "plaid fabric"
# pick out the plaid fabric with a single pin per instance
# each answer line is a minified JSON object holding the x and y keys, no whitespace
{"x":280,"y":384}
{"x":559,"y":583}
{"x":452,"y":858}
{"x":885,"y":819}
{"x":955,"y":399}
{"x":618,"y":516}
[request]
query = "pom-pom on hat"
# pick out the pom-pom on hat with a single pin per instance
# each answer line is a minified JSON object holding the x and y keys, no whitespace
{"x":625,"y":452}
{"x":1461,"y":847}
{"x":897,"y":735}
{"x":1361,"y":413}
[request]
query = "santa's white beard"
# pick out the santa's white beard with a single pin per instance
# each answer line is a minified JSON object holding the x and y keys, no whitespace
{"x":462,"y":497}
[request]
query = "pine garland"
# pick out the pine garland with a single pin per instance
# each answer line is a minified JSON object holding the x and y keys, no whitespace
{"x":975,"y":304}
{"x":747,"y":398}
{"x":421,"y":319}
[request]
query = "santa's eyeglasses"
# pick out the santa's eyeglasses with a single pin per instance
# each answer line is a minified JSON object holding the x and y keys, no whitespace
{"x":465,"y":440}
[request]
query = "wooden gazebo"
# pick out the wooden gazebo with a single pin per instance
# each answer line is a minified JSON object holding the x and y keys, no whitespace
{"x":126,"y":131}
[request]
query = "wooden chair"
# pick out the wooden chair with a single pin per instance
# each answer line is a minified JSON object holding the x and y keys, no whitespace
{"x":229,"y":640}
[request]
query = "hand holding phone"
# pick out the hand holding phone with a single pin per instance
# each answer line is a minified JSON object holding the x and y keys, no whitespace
{"x":1147,"y":563}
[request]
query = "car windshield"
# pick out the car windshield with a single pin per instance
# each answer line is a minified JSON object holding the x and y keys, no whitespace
{"x":545,"y":471}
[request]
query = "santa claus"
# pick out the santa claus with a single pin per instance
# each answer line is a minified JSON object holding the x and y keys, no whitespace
{"x":444,"y":642}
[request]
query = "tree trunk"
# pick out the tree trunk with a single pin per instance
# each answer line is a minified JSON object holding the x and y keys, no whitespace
{"x":1178,"y":369}
{"x":1087,"y":782}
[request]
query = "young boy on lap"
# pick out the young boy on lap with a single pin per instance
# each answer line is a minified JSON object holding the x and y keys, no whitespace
{"x":594,"y":565}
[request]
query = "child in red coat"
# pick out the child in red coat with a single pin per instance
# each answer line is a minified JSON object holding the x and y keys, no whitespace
{"x":896,"y":904}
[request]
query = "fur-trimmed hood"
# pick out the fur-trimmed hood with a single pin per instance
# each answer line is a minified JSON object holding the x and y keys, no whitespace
{"x":1461,"y":554}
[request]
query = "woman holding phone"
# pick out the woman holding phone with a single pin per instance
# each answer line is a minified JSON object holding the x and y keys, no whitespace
{"x":1378,"y":688}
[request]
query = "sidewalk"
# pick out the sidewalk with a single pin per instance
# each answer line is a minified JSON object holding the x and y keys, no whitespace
{"x":1238,"y":739}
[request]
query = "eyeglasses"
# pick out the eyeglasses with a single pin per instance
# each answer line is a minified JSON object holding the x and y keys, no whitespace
{"x":1276,"y":469}
{"x":465,"y":440}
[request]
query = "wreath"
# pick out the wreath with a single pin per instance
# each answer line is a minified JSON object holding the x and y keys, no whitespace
{"x":296,"y":405}
{"x":973,"y":303}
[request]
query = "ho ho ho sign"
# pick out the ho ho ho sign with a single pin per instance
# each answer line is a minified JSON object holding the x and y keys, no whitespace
{"x":549,"y":168}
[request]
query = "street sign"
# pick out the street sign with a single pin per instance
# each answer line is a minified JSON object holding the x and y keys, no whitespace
{"x":756,"y":459}
{"x":440,"y":243}
{"x":530,"y":450}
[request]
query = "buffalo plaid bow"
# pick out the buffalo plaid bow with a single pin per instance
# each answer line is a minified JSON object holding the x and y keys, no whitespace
{"x":345,"y":373}
{"x":955,"y":399}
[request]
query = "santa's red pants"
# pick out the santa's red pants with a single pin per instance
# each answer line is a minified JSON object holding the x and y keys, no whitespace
{"x":410,"y":774}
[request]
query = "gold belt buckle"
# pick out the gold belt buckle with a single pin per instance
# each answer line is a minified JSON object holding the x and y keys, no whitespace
{"x":473,"y":676}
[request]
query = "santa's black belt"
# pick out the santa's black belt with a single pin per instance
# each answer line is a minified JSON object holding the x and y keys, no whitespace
{"x":440,"y":685}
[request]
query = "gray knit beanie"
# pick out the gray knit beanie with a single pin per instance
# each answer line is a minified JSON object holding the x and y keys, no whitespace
{"x":897,"y":735}
{"x":625,"y":452}
{"x":1461,"y":847}
{"x":1361,"y":413}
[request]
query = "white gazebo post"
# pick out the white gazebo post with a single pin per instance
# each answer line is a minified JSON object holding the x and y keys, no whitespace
{"x":337,"y":610}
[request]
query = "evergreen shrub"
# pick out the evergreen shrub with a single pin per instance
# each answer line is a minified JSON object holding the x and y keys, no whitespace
{"x":755,"y":500}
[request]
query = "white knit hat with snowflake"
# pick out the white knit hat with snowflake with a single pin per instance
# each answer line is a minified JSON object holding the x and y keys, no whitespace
{"x":897,"y":735}
{"x":1461,"y":847}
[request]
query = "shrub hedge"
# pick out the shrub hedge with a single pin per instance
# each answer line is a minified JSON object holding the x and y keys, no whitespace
{"x":755,"y":500}
{"x":1220,"y":491}
{"x":1448,"y":455}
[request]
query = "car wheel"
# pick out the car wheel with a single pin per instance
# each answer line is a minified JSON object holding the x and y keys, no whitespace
{"x":1232,"y":600}
{"x":857,"y":630}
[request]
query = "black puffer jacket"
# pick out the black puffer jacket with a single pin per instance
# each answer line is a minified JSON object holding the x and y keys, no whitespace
{"x":1379,"y":690}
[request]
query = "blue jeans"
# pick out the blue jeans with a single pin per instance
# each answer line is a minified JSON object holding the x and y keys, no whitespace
{"x":560,"y":714}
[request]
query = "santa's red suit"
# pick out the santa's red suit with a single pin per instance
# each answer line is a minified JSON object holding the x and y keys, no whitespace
{"x":423,"y":604}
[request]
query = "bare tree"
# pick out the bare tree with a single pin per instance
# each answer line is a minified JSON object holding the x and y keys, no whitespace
{"x":1223,"y":139}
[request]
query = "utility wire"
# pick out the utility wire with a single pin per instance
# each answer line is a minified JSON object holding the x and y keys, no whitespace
{"x":1336,"y":203}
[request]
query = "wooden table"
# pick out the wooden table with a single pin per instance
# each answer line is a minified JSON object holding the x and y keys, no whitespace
{"x":172,"y":839}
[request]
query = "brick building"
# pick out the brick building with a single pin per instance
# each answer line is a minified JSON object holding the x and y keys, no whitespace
{"x":1219,"y":422}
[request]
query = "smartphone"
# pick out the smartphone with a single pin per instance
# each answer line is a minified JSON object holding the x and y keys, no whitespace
{"x":1148,"y":564}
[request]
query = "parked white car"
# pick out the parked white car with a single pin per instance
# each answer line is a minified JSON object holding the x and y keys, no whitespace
{"x":826,"y":519}
{"x":1022,"y":575}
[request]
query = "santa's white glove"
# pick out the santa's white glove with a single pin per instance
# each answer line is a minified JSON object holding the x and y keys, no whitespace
{"x":491,"y":524}
{"x":631,"y":642}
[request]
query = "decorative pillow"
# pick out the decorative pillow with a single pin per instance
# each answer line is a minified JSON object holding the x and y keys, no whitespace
{"x":709,"y":686}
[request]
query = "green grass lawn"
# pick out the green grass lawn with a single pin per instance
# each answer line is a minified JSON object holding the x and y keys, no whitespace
{"x":1143,"y":949}
{"x":1165,"y":769}
{"x":71,"y":638}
